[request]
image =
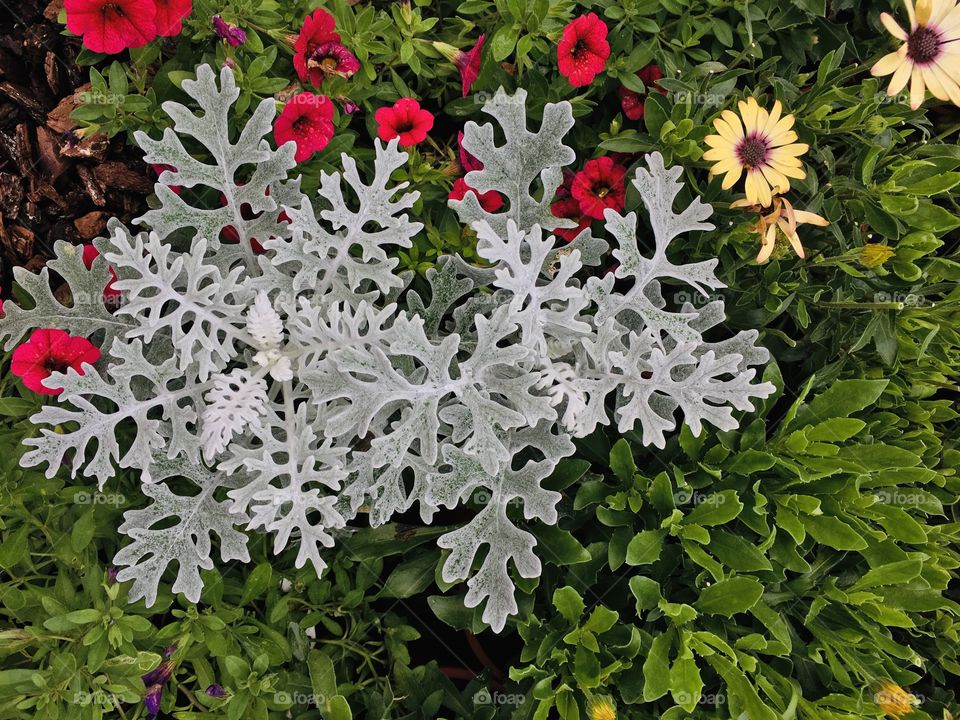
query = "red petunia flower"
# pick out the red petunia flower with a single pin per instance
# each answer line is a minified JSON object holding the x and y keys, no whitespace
{"x":110,"y":26}
{"x":405,"y":120}
{"x":158,"y":169}
{"x":48,"y":351}
{"x":569,"y":208}
{"x":467,"y":161}
{"x":600,"y":185}
{"x":170,"y":15}
{"x":489,"y":201}
{"x":110,"y":294}
{"x":331,"y":58}
{"x":632,"y":102}
{"x":317,"y":29}
{"x":230,"y":234}
{"x":307,"y":119}
{"x":583,"y":50}
{"x":467,"y":61}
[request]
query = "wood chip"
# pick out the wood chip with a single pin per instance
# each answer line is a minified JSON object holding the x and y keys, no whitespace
{"x":94,"y":147}
{"x":90,"y":184}
{"x":24,"y":98}
{"x":51,"y":70}
{"x":11,"y":194}
{"x":91,"y":225}
{"x":52,"y":11}
{"x":20,"y":240}
{"x":23,"y":153}
{"x":59,"y":119}
{"x":114,"y":174}
{"x":49,"y":149}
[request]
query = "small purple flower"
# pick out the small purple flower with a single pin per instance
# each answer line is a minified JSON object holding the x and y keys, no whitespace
{"x":159,"y":675}
{"x":152,"y":699}
{"x":216,"y":691}
{"x":112,"y":575}
{"x":169,"y":650}
{"x":349,"y":106}
{"x":231,"y":33}
{"x":154,"y":682}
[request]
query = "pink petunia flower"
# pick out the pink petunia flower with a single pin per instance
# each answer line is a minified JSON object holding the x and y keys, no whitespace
{"x":50,"y":350}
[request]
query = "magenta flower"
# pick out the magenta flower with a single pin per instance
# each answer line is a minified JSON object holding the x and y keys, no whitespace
{"x":231,"y":33}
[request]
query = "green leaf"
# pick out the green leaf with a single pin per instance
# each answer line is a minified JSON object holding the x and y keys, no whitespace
{"x":645,"y":547}
{"x":686,"y":685}
{"x":621,"y":461}
{"x":841,"y":399}
{"x":323,"y":677}
{"x":833,"y":532}
{"x":646,"y":591}
{"x":601,"y":620}
{"x":569,"y":604}
{"x":567,"y":705}
{"x":410,"y":577}
{"x":258,"y":581}
{"x":503,"y":42}
{"x":730,"y":596}
{"x":656,"y":668}
{"x":895,"y":573}
{"x":82,"y":531}
{"x":715,"y":509}
{"x":559,"y":546}
{"x":337,"y":709}
{"x":586,"y":667}
{"x":736,"y":553}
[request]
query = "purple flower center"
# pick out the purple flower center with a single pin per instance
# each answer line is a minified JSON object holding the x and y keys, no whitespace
{"x":923,"y":45}
{"x":753,"y":150}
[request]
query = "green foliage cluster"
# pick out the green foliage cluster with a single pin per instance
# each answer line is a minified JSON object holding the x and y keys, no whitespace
{"x":785,"y":570}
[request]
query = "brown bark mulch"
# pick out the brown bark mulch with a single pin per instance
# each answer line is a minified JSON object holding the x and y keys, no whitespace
{"x":54,"y":185}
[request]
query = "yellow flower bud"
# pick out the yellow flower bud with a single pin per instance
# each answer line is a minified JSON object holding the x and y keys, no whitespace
{"x":876,"y":254}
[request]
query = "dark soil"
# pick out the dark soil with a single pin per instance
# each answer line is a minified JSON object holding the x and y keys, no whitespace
{"x":54,"y":185}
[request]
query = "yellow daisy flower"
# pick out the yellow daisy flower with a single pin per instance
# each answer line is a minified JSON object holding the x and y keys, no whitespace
{"x":764,"y":145}
{"x":894,"y":700}
{"x":601,"y":708}
{"x":929,"y":59}
{"x":784,"y":218}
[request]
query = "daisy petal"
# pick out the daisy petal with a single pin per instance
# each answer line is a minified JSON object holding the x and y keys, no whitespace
{"x":888,"y":64}
{"x":917,"y":89}
{"x":892,"y":27}
{"x":901,"y":77}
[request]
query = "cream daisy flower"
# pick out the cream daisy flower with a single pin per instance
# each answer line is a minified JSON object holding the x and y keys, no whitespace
{"x":784,"y":218}
{"x":764,"y":144}
{"x":929,"y":59}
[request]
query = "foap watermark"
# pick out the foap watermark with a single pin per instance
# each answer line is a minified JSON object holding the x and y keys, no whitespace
{"x":482,"y":496}
{"x":88,"y":498}
{"x":283,"y":697}
{"x":701,"y":99}
{"x":482,"y":97}
{"x":485,"y":697}
{"x":902,"y":498}
{"x":696,"y":299}
{"x":696,"y":497}
{"x":706,"y":699}
{"x":99,"y":97}
{"x":97,"y":697}
{"x":883,"y":98}
{"x":905,"y":299}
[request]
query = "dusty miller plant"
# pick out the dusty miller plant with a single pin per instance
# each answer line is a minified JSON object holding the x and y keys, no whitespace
{"x":302,"y":386}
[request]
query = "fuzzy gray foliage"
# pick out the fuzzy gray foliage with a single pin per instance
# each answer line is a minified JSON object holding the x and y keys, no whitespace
{"x":309,"y":386}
